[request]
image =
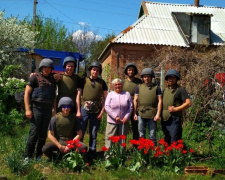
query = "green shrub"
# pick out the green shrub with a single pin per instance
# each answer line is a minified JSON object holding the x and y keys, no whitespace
{"x":9,"y":116}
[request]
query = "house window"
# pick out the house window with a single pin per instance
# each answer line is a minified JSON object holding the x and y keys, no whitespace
{"x":194,"y":27}
{"x":56,"y":61}
{"x":200,"y":26}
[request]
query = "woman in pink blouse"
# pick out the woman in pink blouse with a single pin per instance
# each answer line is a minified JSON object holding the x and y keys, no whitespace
{"x":119,"y":107}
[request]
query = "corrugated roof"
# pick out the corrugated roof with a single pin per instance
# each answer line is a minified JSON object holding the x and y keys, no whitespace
{"x":159,"y":28}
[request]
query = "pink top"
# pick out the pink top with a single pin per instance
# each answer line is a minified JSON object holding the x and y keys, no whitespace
{"x":120,"y":105}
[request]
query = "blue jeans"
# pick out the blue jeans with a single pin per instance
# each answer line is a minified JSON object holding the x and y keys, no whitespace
{"x":152,"y":126}
{"x":172,"y":129}
{"x":94,"y":125}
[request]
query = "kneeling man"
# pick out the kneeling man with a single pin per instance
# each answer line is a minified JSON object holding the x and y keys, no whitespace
{"x":64,"y":126}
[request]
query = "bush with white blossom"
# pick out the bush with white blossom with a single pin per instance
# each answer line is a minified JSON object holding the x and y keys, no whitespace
{"x":9,"y":115}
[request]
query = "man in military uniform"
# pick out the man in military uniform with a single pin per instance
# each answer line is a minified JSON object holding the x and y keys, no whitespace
{"x":147,"y":104}
{"x":175,"y":100}
{"x":129,"y":85}
{"x":69,"y":84}
{"x":40,"y":94}
{"x":94,"y":92}
{"x":64,"y":126}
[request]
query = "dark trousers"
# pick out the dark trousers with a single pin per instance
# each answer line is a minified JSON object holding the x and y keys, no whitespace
{"x":134,"y":125}
{"x":172,"y":129}
{"x":94,"y":125}
{"x":38,"y":131}
{"x":50,"y":148}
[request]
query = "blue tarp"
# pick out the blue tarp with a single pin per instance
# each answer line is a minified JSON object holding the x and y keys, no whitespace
{"x":52,"y":54}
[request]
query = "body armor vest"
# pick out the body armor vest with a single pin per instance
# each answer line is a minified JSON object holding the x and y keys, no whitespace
{"x":92,"y":95}
{"x":130,"y":86}
{"x":147,"y":101}
{"x":65,"y":127}
{"x":67,"y":86}
{"x":168,"y":100}
{"x":45,"y":92}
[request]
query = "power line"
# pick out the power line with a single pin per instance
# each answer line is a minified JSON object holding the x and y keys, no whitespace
{"x":93,"y":10}
{"x":74,"y":22}
{"x":54,"y":5}
{"x":61,"y":12}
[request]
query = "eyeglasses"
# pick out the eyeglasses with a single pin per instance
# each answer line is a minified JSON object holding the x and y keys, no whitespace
{"x":66,"y":106}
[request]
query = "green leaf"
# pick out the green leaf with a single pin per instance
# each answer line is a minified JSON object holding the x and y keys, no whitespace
{"x":107,"y":163}
{"x":176,"y":169}
{"x":136,"y":167}
{"x":74,"y":164}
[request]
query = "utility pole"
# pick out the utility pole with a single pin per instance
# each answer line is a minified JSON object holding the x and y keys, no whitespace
{"x":31,"y":63}
{"x":34,"y":15}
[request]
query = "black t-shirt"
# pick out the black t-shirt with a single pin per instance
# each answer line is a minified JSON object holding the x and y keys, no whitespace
{"x":79,"y":82}
{"x":181,"y":95}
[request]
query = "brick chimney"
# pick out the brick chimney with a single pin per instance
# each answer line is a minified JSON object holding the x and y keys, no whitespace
{"x":197,"y":3}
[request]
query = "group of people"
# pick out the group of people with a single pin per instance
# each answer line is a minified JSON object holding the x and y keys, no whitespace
{"x":65,"y":115}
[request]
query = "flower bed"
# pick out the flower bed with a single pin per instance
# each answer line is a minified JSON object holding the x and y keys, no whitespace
{"x":173,"y":157}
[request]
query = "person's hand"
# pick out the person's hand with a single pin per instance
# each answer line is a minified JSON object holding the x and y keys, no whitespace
{"x":79,"y":115}
{"x":66,"y":150}
{"x":29,"y":114}
{"x":135,"y":117}
{"x":157,"y":117}
{"x":99,"y":117}
{"x":124,"y":120}
{"x":31,"y":74}
{"x":62,"y":149}
{"x":118,"y":119}
{"x":172,"y":109}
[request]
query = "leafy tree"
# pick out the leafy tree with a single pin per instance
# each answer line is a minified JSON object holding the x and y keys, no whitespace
{"x":52,"y":34}
{"x":96,"y":48}
{"x":83,"y":38}
{"x":13,"y":35}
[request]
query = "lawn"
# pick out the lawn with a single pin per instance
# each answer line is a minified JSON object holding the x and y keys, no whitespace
{"x":12,"y":165}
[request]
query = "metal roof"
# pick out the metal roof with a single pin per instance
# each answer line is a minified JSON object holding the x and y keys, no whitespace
{"x":158,"y":27}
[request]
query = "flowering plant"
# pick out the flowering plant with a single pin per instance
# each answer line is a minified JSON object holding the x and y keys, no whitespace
{"x":10,"y":116}
{"x":74,"y":159}
{"x":173,"y":156}
{"x":115,"y":156}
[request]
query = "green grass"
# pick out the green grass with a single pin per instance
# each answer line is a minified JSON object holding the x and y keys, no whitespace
{"x":11,"y":156}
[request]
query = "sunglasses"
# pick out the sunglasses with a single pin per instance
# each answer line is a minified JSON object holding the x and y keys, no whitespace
{"x":66,"y":106}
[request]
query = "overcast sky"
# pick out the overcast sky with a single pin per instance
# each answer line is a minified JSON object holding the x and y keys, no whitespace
{"x":103,"y":16}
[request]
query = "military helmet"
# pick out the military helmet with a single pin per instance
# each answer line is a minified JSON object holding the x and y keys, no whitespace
{"x":172,"y":72}
{"x":95,"y":64}
{"x":129,"y":65}
{"x":65,"y":101}
{"x":46,"y":62}
{"x":147,"y":71}
{"x":69,"y":59}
